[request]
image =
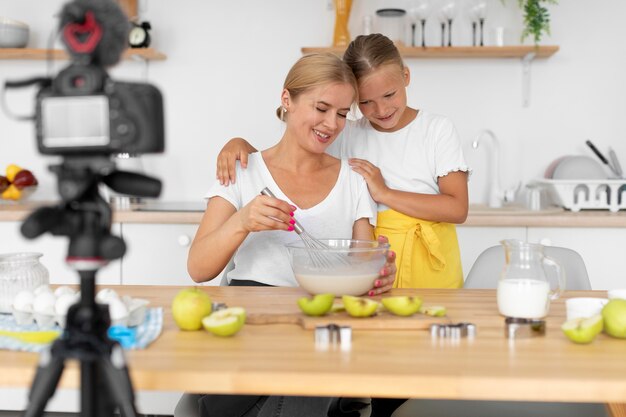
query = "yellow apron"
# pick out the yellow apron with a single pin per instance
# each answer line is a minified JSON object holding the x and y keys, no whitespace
{"x":427,"y":253}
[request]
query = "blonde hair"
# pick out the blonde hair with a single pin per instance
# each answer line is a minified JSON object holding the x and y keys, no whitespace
{"x":367,"y":53}
{"x":316,"y":70}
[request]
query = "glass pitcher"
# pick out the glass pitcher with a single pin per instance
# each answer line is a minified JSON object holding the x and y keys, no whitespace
{"x":524,"y":290}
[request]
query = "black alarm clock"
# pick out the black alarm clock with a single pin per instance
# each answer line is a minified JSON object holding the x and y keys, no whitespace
{"x":139,"y":37}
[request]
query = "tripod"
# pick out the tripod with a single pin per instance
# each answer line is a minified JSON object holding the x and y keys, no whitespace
{"x":85,"y":217}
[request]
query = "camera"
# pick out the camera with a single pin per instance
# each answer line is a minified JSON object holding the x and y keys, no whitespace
{"x":84,"y":112}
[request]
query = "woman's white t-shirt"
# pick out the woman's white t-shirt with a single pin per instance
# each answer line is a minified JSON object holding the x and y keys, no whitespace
{"x":410,"y":159}
{"x":262,"y":256}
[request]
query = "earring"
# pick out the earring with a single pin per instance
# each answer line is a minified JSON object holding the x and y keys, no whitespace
{"x":284,"y":109}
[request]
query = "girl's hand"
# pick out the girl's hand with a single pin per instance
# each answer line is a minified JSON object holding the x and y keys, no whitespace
{"x":235,"y":149}
{"x":267,"y":213}
{"x":387,"y":274}
{"x":373,"y":177}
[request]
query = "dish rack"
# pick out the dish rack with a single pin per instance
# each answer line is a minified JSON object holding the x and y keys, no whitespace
{"x":577,"y":195}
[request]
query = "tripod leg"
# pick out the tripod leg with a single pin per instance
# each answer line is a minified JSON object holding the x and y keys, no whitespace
{"x":118,"y":381}
{"x":46,"y":380}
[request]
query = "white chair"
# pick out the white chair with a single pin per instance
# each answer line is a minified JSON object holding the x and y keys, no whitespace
{"x":484,"y":274}
{"x":486,"y":269}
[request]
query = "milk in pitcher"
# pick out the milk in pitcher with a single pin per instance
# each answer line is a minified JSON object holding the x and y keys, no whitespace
{"x":523,"y":298}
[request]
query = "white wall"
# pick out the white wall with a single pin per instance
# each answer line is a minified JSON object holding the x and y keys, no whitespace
{"x":227,"y":60}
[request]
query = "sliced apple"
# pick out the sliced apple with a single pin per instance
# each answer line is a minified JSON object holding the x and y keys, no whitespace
{"x":319,"y":305}
{"x":402,"y":305}
{"x":225,"y":322}
{"x":359,"y":307}
{"x":434,"y":311}
{"x":583,"y":330}
{"x":338,"y":307}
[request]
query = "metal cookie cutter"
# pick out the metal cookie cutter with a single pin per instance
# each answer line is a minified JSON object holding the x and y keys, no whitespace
{"x":516,"y":328}
{"x":453,"y":331}
{"x":215,"y":306}
{"x":333,"y":335}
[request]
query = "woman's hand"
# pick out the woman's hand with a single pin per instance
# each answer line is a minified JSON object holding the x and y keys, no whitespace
{"x":236,"y":149}
{"x":373,"y":177}
{"x":387,"y":274}
{"x":267,"y":213}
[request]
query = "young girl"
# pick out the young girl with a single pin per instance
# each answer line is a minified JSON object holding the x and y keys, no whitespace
{"x":411,"y":160}
{"x":331,"y":200}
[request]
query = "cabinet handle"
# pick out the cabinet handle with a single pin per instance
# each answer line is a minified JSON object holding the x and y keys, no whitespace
{"x":184,"y":240}
{"x":546,"y":241}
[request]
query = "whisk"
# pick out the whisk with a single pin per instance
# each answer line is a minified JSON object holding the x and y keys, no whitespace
{"x":318,"y":259}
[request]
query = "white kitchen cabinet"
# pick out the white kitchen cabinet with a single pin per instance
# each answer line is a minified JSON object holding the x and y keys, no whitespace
{"x":54,"y":250}
{"x":474,"y":240}
{"x":157,"y":253}
{"x":602,"y":249}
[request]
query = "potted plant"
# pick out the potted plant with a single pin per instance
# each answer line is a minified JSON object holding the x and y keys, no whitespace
{"x":536,"y":18}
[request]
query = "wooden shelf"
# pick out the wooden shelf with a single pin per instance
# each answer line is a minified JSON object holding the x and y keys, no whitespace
{"x":147,"y":54}
{"x":458,"y":51}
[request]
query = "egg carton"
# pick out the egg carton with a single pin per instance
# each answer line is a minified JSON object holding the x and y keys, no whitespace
{"x":577,"y":195}
{"x":48,"y":309}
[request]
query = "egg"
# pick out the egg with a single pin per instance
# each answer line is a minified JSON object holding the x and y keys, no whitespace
{"x":44,"y":303}
{"x":105,"y":295}
{"x":23,"y":301}
{"x":41,"y":289}
{"x":63,"y":303}
{"x":63,"y":290}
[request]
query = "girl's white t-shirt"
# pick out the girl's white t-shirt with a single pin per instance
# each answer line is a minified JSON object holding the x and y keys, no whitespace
{"x":410,"y":159}
{"x":262,"y":256}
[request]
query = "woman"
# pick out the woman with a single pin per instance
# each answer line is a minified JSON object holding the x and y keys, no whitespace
{"x":325,"y":195}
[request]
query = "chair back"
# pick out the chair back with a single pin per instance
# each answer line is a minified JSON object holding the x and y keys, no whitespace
{"x":486,"y":270}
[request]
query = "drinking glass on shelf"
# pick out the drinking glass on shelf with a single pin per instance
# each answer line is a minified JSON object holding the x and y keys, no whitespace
{"x":478,"y":13}
{"x":442,"y":22}
{"x":418,"y":14}
{"x":448,"y":13}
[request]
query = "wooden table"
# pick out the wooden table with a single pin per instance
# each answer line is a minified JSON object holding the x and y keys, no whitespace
{"x":282,"y":359}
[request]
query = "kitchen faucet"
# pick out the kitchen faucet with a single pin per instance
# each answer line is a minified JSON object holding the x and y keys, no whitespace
{"x":496,"y":194}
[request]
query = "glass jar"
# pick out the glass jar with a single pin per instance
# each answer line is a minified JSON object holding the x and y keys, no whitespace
{"x":19,"y":271}
{"x":390,"y":22}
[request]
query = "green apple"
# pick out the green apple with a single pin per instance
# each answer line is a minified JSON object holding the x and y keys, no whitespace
{"x":359,"y":307}
{"x":319,"y":305}
{"x":434,"y":311}
{"x":189,"y":307}
{"x":614,"y":315}
{"x":402,"y":305}
{"x":225,"y":322}
{"x":583,"y":330}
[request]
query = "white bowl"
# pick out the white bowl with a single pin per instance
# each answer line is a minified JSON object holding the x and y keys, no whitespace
{"x":583,"y":307}
{"x":13,"y":34}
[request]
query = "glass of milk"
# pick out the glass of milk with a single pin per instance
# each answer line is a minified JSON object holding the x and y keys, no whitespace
{"x":523,"y":289}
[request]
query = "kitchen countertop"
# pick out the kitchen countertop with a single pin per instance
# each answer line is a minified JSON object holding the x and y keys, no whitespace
{"x":479,"y":215}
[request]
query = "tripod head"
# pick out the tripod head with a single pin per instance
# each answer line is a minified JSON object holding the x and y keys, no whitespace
{"x":84,"y":215}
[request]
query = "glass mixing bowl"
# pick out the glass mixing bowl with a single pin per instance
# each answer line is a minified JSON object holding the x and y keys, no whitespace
{"x":337,"y":266}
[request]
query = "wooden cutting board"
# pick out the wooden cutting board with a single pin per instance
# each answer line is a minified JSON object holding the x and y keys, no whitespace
{"x":381,"y":321}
